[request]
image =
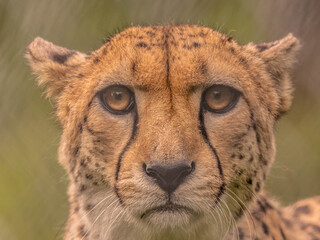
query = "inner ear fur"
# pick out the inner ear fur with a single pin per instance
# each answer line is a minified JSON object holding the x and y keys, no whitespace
{"x":52,"y":64}
{"x":279,"y":57}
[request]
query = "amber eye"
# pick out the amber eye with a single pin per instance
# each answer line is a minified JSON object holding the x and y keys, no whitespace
{"x":220,"y":98}
{"x":117,"y":99}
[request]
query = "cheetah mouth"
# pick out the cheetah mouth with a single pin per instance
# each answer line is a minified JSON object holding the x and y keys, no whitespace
{"x":169,"y":208}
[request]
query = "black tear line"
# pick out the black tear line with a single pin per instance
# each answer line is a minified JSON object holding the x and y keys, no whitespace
{"x":206,"y":139}
{"x":133,"y":134}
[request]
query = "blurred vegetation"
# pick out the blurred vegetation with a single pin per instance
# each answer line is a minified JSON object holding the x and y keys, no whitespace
{"x":33,"y":202}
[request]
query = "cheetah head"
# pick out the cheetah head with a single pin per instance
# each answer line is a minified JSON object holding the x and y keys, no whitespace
{"x":166,"y":127}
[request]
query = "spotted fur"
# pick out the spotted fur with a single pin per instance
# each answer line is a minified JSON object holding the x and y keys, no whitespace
{"x":168,"y":68}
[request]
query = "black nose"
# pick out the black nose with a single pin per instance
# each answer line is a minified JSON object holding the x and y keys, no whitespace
{"x":169,"y":177}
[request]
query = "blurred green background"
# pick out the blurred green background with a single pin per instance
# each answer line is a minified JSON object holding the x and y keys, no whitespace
{"x":33,"y":201}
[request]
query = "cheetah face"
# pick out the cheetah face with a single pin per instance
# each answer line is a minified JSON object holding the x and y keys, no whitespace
{"x":169,"y":125}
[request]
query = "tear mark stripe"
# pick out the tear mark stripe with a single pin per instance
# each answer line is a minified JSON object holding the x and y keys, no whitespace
{"x":213,"y":150}
{"x":132,"y":137}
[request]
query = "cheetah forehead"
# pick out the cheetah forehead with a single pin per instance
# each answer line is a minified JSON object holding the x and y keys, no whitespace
{"x":151,"y":54}
{"x":187,"y":37}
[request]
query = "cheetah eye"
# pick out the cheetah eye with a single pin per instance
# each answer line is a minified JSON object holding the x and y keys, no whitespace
{"x":117,"y":99}
{"x":220,"y":98}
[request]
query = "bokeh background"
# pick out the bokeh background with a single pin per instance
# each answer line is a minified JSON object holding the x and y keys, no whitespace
{"x":33,"y":201}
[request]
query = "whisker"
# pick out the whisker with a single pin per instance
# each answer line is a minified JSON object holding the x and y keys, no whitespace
{"x":230,"y":220}
{"x":110,"y":224}
{"x":218,"y":211}
{"x":97,"y":218}
{"x":244,"y":208}
{"x":227,"y":220}
{"x":93,"y":223}
{"x":100,"y":202}
{"x":231,"y":217}
{"x":120,"y":214}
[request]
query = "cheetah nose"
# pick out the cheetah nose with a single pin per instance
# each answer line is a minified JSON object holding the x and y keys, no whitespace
{"x":169,"y":177}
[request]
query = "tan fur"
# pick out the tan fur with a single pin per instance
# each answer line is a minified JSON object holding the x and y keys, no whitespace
{"x":168,"y":68}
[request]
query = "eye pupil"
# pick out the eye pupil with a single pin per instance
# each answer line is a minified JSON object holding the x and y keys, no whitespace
{"x":117,"y":95}
{"x":216,"y":95}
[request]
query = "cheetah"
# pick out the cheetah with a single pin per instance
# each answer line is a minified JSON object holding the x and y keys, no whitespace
{"x":167,"y":133}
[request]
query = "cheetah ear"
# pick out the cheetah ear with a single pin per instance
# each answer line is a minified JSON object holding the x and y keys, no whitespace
{"x":280,"y":56}
{"x":52,"y":64}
